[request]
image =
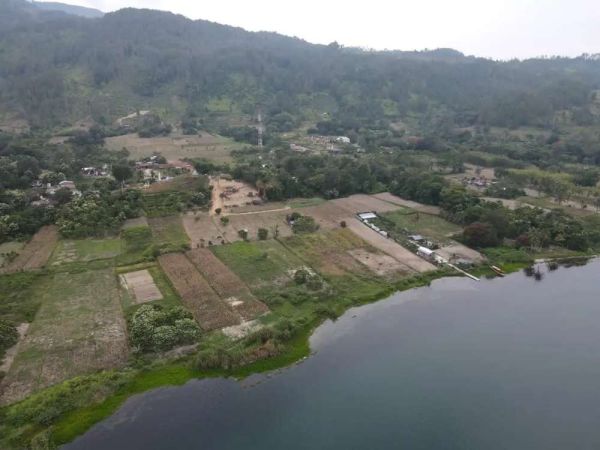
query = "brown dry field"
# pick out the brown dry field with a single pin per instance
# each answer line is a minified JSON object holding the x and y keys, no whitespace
{"x":229,"y":201}
{"x":227,"y":284}
{"x":142,"y":286}
{"x":176,"y":146}
{"x":201,"y":300}
{"x":389,"y":246}
{"x":362,"y":203}
{"x":380,"y":263}
{"x":36,"y":253}
{"x":202,"y":228}
{"x":395,"y":200}
{"x":78,"y":329}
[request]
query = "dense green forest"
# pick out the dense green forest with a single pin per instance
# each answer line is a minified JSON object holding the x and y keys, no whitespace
{"x":56,"y":68}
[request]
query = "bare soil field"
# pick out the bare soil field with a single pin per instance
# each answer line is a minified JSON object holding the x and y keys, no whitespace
{"x":202,"y":301}
{"x":390,"y":247}
{"x":175,"y":147}
{"x":454,"y":251}
{"x":141,"y":285}
{"x":380,"y":263}
{"x":227,"y":284}
{"x":203,"y":228}
{"x":36,"y":253}
{"x":230,"y":194}
{"x":78,"y":329}
{"x":395,"y":200}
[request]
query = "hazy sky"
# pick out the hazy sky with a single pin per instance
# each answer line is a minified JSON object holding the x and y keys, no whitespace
{"x":493,"y":28}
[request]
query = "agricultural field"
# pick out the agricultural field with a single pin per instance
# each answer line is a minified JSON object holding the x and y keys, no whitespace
{"x":227,"y":284}
{"x":36,"y":252}
{"x":204,"y":229}
{"x":390,"y":247}
{"x":196,"y":293}
{"x":85,"y":250}
{"x":7,"y":249}
{"x":168,"y":233}
{"x":184,"y":183}
{"x":430,"y":226}
{"x":140,"y":286}
{"x":399,"y":201}
{"x":176,"y":146}
{"x":260,"y":263}
{"x":78,"y":329}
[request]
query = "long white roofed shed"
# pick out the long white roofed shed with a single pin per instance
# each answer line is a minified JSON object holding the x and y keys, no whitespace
{"x":367,"y":216}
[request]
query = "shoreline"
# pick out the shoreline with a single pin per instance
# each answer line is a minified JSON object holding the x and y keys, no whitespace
{"x":133,"y":381}
{"x":179,"y":372}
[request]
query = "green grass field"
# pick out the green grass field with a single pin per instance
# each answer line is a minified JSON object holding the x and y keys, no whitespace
{"x":259,"y":262}
{"x":430,"y":226}
{"x":85,"y":250}
{"x":168,"y":233}
{"x":9,"y":248}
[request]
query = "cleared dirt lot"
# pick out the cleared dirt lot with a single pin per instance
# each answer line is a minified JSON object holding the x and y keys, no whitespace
{"x":141,"y":285}
{"x":227,"y":284}
{"x":230,"y":194}
{"x":78,"y":329}
{"x":452,"y":252}
{"x":175,"y":146}
{"x":361,"y":203}
{"x":380,"y":263}
{"x":200,"y":299}
{"x":389,"y":246}
{"x":395,"y":200}
{"x":36,"y":253}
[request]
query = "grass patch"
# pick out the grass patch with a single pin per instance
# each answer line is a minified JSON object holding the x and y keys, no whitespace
{"x":168,"y":234}
{"x":18,"y":303}
{"x":305,"y":202}
{"x":430,"y":226}
{"x":259,"y":262}
{"x":85,"y":250}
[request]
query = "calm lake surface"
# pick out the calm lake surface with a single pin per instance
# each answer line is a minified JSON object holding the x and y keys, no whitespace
{"x":510,"y":363}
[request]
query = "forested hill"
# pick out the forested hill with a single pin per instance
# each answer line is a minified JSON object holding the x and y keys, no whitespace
{"x":57,"y":68}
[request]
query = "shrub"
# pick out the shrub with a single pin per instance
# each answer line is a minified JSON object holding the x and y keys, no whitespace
{"x":243,"y":234}
{"x":263,"y":233}
{"x":153,"y":328}
{"x":8,"y":336}
{"x":224,"y":221}
{"x":305,"y":224}
{"x":301,"y":276}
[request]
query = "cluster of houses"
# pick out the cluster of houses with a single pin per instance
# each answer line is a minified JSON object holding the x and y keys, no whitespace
{"x":95,"y":171}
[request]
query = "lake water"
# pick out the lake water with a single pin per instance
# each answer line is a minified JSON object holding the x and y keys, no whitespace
{"x":510,"y":363}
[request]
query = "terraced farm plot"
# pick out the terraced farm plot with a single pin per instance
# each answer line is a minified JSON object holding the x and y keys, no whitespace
{"x":79,"y":328}
{"x":36,"y":252}
{"x":260,"y":263}
{"x":141,"y":285}
{"x":85,"y":250}
{"x":200,"y":299}
{"x":227,"y":284}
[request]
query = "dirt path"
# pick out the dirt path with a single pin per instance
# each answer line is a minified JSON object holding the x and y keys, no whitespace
{"x":10,"y":354}
{"x":287,"y":208}
{"x":389,"y":246}
{"x":216,"y":199}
